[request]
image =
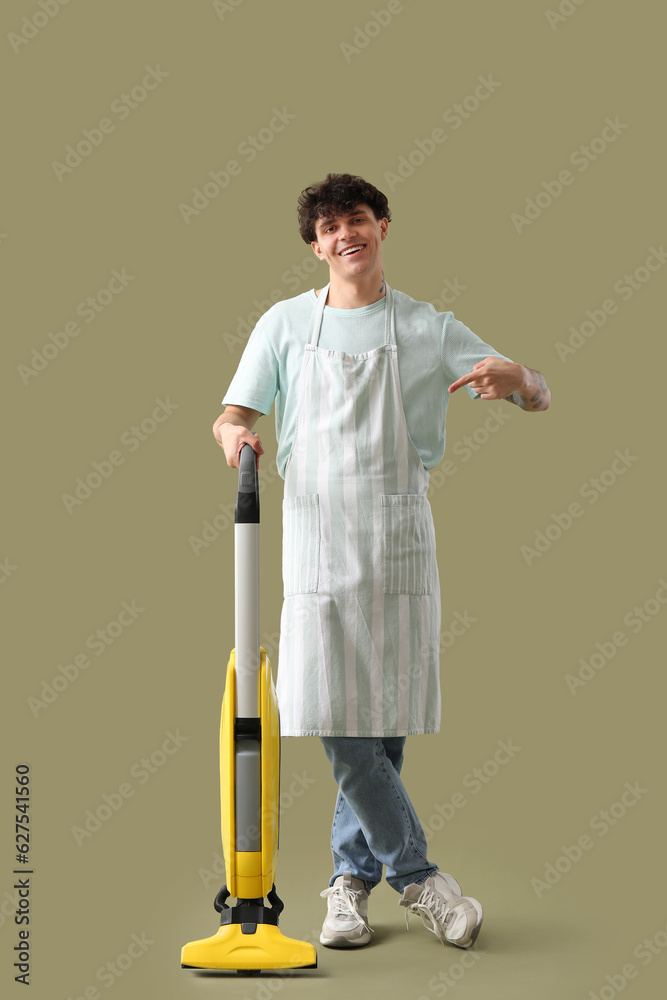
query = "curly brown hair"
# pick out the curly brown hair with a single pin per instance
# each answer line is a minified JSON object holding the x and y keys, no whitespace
{"x":336,"y":195}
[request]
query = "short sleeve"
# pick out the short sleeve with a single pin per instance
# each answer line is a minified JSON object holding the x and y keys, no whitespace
{"x":461,"y":349}
{"x":255,"y":383}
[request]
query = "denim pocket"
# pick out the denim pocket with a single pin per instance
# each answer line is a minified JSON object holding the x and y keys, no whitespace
{"x":408,"y":539}
{"x":301,"y":544}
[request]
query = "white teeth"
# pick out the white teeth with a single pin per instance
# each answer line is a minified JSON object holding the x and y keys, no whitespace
{"x":359,"y":246}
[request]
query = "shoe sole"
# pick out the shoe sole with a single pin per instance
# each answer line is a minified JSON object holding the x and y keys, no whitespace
{"x":339,"y":941}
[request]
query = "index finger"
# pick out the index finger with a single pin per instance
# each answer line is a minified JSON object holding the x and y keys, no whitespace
{"x":256,"y":446}
{"x":464,"y":380}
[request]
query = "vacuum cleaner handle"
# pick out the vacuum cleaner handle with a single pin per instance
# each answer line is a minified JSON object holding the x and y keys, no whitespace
{"x":247,"y":498}
{"x":246,"y":581}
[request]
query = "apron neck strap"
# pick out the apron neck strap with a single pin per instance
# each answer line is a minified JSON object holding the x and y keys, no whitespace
{"x":318,"y":312}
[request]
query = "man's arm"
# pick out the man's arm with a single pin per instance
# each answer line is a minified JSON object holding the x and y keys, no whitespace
{"x":496,"y":378}
{"x":233,"y":429}
{"x":535,"y":395}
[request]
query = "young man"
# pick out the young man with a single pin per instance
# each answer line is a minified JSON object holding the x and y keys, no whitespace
{"x":361,"y":375}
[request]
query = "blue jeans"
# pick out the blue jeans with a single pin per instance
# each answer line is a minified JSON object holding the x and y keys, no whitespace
{"x":374,"y":821}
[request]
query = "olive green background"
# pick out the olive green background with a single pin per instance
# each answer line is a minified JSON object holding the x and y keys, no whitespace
{"x":153,"y":866}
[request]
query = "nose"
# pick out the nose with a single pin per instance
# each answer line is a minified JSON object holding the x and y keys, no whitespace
{"x":347,"y":230}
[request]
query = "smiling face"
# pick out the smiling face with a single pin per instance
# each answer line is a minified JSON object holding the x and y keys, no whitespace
{"x":351,"y":244}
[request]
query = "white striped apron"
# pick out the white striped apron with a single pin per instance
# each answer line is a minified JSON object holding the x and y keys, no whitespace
{"x":360,"y":622}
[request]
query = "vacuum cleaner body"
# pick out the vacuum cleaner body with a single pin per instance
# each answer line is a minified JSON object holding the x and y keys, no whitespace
{"x":250,"y":786}
{"x":249,"y":939}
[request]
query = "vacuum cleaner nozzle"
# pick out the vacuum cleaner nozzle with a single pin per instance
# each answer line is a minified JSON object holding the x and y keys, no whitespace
{"x":265,"y":948}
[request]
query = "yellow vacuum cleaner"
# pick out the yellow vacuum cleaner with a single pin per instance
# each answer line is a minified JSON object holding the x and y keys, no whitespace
{"x":249,"y":939}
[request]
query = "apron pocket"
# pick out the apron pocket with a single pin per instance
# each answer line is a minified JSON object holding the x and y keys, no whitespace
{"x":408,"y":539}
{"x":301,"y":544}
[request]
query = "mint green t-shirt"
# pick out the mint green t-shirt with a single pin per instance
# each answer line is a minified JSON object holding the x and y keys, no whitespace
{"x":434,"y":350}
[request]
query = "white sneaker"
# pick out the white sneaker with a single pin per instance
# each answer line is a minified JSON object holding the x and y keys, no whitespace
{"x":444,"y":911}
{"x":346,"y":924}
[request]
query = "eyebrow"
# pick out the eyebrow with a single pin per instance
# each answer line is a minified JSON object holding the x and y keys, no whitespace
{"x":344,"y":215}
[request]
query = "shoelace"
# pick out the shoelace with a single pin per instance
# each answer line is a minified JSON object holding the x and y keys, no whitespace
{"x":433,"y":911}
{"x":344,"y":903}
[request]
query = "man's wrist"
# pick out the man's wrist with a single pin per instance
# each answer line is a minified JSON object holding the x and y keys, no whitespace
{"x":525,"y":380}
{"x":534,"y":393}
